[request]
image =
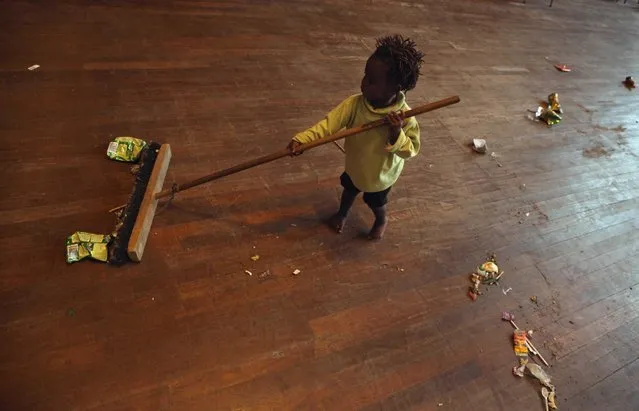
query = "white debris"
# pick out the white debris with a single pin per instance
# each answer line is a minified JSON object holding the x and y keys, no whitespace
{"x":248,"y":272}
{"x":34,"y":67}
{"x":479,"y":145}
{"x":296,"y":272}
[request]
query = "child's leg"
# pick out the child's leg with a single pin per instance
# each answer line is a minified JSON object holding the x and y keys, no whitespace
{"x":379,"y":226}
{"x":377,"y":203}
{"x":348,"y":198}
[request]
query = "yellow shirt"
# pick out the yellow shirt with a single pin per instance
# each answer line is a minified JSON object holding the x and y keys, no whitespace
{"x":371,"y":162}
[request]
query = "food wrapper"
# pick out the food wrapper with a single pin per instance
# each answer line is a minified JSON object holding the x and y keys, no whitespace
{"x":81,"y":245}
{"x":539,"y":373}
{"x":553,"y":100}
{"x":487,"y":268}
{"x":126,"y":149}
{"x":552,"y":400}
{"x":519,"y":371}
{"x":548,"y":116}
{"x":563,"y":67}
{"x":489,"y":272}
{"x":479,"y":145}
{"x":519,"y":339}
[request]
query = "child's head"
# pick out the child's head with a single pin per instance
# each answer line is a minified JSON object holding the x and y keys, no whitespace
{"x":393,"y":67}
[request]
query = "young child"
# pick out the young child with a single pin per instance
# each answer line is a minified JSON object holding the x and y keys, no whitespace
{"x":375,"y":158}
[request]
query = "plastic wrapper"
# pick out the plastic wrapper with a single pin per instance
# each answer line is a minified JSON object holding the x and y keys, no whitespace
{"x":81,"y":245}
{"x":548,"y":116}
{"x":519,"y":339}
{"x":126,"y":149}
{"x":553,"y":100}
{"x":489,"y":272}
{"x":519,"y":371}
{"x":539,"y":373}
{"x":479,"y":145}
{"x":563,"y":67}
{"x":552,"y":400}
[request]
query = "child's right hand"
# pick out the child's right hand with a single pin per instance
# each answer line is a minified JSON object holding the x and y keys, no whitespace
{"x":293,"y":148}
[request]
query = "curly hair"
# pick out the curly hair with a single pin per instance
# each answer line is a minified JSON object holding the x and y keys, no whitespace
{"x":403,"y":58}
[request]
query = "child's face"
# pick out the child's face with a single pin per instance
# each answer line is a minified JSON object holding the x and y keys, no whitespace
{"x":376,"y":87}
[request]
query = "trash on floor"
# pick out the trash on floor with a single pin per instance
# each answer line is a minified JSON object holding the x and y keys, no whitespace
{"x":296,"y":272}
{"x":126,"y":149}
{"x":629,"y":82}
{"x":539,"y":373}
{"x":34,"y":67}
{"x":479,"y":145}
{"x":248,"y":272}
{"x":550,"y":112}
{"x":494,"y":156}
{"x":563,"y":67}
{"x":553,"y":100}
{"x":533,"y":298}
{"x":264,"y":274}
{"x":520,"y":347}
{"x":81,"y":245}
{"x":506,"y":316}
{"x":552,"y":398}
{"x":487,"y":273}
{"x":548,"y":116}
{"x":255,"y":257}
{"x":506,"y":291}
{"x":533,"y":350}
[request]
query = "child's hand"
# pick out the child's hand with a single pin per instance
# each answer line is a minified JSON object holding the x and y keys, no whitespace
{"x":293,"y":148}
{"x":395,"y":123}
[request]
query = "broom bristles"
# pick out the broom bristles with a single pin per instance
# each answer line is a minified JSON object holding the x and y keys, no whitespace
{"x":118,"y":247}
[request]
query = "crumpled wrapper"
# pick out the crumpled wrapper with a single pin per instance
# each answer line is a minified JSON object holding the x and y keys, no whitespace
{"x":81,"y":245}
{"x":126,"y":149}
{"x":548,"y":116}
{"x":489,"y":272}
{"x":539,"y":373}
{"x":553,"y":100}
{"x":550,"y":113}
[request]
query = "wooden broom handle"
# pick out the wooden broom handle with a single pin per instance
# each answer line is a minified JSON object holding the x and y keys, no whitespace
{"x":304,"y":147}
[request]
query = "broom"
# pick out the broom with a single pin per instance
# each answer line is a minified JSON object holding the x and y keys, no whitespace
{"x":136,"y":217}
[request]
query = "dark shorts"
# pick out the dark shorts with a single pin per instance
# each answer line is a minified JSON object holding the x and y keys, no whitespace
{"x":374,"y":200}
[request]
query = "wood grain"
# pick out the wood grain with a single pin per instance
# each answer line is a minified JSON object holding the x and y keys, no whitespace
{"x":371,"y":326}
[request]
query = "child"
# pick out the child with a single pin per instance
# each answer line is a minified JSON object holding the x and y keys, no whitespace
{"x":375,"y":158}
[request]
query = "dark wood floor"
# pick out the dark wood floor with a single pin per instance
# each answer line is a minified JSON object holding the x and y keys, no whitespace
{"x":363,"y":326}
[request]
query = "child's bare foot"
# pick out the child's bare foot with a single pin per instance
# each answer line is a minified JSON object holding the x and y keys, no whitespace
{"x":377,"y":232}
{"x":336,"y":222}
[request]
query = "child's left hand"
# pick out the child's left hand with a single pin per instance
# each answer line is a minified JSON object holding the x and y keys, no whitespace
{"x":395,"y":123}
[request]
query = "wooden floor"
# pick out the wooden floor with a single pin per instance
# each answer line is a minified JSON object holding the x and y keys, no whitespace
{"x":384,"y":326}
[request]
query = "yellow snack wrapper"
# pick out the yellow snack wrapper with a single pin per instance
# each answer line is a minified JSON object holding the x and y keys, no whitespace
{"x":81,"y":245}
{"x":126,"y":149}
{"x":519,"y":339}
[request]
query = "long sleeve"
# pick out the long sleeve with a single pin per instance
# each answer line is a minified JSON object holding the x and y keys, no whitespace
{"x":408,"y":143}
{"x":337,"y":119}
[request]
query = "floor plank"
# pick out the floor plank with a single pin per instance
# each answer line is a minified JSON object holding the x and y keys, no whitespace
{"x":371,"y":326}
